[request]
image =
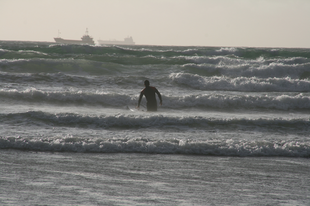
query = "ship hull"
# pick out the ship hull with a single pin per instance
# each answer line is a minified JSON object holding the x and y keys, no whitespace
{"x":115,"y":43}
{"x":68,"y":41}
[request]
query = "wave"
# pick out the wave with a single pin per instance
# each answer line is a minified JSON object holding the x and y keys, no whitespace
{"x":117,"y":55}
{"x":286,"y":102}
{"x":231,"y":101}
{"x":203,"y":66}
{"x":154,"y":121}
{"x":56,"y":49}
{"x":244,"y":84}
{"x":142,"y":50}
{"x":269,"y":53}
{"x":111,"y":60}
{"x":224,"y":66}
{"x":214,"y":147}
{"x":65,"y":65}
{"x":141,"y":55}
{"x":77,"y":97}
{"x":59,"y":79}
{"x":83,"y":72}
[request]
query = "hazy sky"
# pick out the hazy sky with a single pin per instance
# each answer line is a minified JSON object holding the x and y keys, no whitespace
{"x":252,"y":23}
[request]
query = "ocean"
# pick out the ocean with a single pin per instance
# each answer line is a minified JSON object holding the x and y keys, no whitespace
{"x":233,"y":128}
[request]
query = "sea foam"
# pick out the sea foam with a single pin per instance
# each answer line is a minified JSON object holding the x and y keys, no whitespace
{"x":174,"y":146}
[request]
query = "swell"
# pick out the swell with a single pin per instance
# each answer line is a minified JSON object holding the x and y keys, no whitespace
{"x":253,"y":53}
{"x":228,"y":101}
{"x":69,"y":66}
{"x":203,"y":66}
{"x":126,"y":121}
{"x":116,"y":55}
{"x":297,"y":68}
{"x":218,"y":147}
{"x":274,"y":77}
{"x":181,"y":80}
{"x":243,"y":84}
{"x":141,"y":55}
{"x":66,"y":97}
{"x":142,"y":50}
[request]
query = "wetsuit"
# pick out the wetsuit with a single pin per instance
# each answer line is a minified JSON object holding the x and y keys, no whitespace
{"x":149,"y":93}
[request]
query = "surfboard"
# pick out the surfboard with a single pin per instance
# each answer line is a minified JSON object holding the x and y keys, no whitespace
{"x":134,"y":109}
{"x":131,"y":109}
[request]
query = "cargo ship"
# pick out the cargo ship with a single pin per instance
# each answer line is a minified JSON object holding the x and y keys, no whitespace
{"x":86,"y":39}
{"x":127,"y":41}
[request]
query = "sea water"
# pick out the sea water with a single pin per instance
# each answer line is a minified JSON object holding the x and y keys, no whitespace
{"x":233,"y":128}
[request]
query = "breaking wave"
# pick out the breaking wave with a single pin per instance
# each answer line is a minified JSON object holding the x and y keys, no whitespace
{"x":152,"y":121}
{"x":217,"y":147}
{"x":211,"y":100}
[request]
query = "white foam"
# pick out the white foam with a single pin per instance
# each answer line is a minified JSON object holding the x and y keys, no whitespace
{"x":285,"y":148}
{"x":244,"y":84}
{"x":201,"y":100}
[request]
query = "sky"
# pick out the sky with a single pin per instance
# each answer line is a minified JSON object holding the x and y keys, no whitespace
{"x":230,"y":23}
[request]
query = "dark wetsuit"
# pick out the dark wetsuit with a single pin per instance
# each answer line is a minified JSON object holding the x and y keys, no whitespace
{"x":149,"y":93}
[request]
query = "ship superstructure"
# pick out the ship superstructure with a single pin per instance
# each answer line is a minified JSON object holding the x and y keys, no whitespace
{"x":127,"y":41}
{"x":86,"y":39}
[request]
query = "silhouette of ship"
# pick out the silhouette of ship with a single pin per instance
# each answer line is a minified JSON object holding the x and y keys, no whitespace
{"x":86,"y":39}
{"x":127,"y":41}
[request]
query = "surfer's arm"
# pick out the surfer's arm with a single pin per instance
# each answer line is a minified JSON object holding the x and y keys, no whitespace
{"x":159,"y":96}
{"x":140,"y":97}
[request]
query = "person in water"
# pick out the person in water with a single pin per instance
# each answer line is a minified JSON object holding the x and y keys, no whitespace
{"x":149,"y":93}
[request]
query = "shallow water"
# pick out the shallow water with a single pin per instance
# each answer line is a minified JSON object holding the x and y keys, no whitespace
{"x":30,"y":178}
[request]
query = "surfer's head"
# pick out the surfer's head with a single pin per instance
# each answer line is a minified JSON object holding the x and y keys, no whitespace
{"x":146,"y":83}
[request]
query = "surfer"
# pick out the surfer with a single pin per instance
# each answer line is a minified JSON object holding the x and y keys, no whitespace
{"x":149,"y":93}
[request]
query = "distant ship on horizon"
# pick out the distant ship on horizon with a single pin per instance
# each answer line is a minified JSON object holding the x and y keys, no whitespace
{"x":127,"y":41}
{"x":85,"y":39}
